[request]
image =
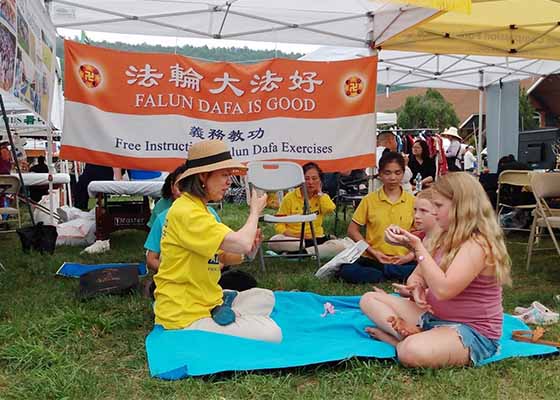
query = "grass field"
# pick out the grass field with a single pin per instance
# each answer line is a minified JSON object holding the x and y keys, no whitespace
{"x":53,"y":346}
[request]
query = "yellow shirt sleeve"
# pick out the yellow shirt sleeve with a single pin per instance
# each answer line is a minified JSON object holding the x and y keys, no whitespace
{"x":360,"y":215}
{"x":326,"y":205}
{"x":199,"y":231}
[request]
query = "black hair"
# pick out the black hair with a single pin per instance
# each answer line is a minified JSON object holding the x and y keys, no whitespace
{"x":389,"y":157}
{"x":192,"y":185}
{"x":167,"y":188}
{"x":41,"y":159}
{"x":311,"y":165}
{"x":385,"y":134}
{"x":425,"y":149}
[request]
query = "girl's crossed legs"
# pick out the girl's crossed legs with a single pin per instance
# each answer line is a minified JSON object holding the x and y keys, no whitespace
{"x":397,"y":319}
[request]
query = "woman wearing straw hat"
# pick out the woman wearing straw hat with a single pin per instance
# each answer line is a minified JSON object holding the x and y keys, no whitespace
{"x":187,"y":292}
{"x":453,"y":151}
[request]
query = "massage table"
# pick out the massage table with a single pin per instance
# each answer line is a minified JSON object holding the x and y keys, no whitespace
{"x":111,"y":215}
{"x":39,"y":179}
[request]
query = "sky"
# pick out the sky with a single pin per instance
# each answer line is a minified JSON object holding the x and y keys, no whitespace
{"x":180,"y":41}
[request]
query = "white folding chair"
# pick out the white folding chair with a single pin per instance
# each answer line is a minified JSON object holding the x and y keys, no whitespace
{"x":274,"y":176}
{"x":9,"y":202}
{"x":545,"y":186}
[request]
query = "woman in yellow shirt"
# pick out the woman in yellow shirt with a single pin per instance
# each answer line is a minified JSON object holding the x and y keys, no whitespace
{"x":389,"y":205}
{"x":187,"y":292}
{"x":319,"y":203}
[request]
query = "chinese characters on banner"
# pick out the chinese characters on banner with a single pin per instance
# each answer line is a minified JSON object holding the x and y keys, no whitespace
{"x":27,"y":60}
{"x":144,"y":111}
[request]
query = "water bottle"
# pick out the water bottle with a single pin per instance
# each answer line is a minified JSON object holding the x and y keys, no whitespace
{"x":418,"y":182}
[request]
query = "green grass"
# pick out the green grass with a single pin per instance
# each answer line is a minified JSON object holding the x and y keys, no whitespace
{"x":53,"y":346}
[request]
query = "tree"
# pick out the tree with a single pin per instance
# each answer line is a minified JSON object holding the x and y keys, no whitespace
{"x":430,"y":110}
{"x":527,"y":120}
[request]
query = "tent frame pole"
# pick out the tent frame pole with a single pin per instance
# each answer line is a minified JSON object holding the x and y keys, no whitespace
{"x":480,"y":111}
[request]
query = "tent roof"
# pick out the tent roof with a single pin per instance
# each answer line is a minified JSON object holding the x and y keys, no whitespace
{"x":520,"y":28}
{"x":442,"y":71}
{"x":325,"y":22}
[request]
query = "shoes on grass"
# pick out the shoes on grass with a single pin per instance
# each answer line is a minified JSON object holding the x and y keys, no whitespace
{"x":100,"y":246}
{"x":537,"y":314}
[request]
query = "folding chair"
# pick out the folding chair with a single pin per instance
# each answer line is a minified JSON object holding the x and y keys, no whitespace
{"x":274,"y":176}
{"x":514,"y":179}
{"x":545,"y":186}
{"x":348,"y":194}
{"x":9,"y":188}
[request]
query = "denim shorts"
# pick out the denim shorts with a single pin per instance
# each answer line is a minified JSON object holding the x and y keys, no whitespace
{"x":480,"y":347}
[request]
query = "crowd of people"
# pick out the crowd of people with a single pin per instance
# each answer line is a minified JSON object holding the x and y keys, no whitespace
{"x":443,"y":248}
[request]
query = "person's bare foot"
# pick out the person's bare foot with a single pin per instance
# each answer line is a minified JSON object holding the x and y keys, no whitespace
{"x":402,"y":327}
{"x":382,"y":336}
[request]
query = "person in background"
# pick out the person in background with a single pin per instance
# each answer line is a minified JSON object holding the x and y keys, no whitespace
{"x":421,"y":163}
{"x":168,"y":194}
{"x":386,"y":142}
{"x":453,"y":149}
{"x":187,"y":294}
{"x":5,"y":159}
{"x":389,"y":205}
{"x":456,"y":316}
{"x":37,"y":192}
{"x":469,"y":159}
{"x":41,"y":167}
{"x":91,"y":173}
{"x":319,"y":203}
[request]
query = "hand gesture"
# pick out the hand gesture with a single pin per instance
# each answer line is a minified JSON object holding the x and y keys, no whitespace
{"x":381,"y":257}
{"x":402,"y":260}
{"x":258,"y":202}
{"x":414,"y":291}
{"x":397,"y":236}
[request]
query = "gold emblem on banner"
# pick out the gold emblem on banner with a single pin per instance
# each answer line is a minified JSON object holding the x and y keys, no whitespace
{"x":90,"y":75}
{"x":353,"y":86}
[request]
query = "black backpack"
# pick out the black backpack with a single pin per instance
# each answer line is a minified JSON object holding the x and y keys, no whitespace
{"x":122,"y":280}
{"x":38,"y":237}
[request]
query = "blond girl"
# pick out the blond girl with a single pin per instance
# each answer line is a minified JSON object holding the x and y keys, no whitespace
{"x":456,"y":318}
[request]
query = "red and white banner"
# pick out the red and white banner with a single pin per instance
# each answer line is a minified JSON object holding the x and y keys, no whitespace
{"x":144,"y":111}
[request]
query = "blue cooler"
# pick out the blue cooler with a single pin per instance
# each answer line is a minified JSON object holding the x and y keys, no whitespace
{"x":138,"y":175}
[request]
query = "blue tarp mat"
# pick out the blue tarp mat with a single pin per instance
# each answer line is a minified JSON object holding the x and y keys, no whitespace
{"x":308,"y":339}
{"x":75,"y":270}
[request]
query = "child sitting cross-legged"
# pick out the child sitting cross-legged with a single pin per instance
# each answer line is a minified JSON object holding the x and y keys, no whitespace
{"x":456,"y":314}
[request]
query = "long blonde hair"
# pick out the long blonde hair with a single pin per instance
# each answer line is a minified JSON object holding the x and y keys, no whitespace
{"x":471,"y":218}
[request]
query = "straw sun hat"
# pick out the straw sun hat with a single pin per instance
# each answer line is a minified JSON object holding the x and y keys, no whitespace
{"x":452,"y":132}
{"x":208,"y":156}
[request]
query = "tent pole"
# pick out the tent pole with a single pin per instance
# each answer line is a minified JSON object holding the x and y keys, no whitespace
{"x":480,"y":110}
{"x":51,"y":172}
{"x":373,"y":52}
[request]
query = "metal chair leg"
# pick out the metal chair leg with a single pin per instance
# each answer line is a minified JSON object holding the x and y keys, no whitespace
{"x":531,"y":242}
{"x":317,"y":255}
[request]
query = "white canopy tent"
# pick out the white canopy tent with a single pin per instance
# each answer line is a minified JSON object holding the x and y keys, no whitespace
{"x":449,"y":71}
{"x":354,"y":23}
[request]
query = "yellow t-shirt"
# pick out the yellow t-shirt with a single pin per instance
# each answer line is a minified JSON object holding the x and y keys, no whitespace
{"x":187,"y":279}
{"x":377,"y":212}
{"x":293,"y":204}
